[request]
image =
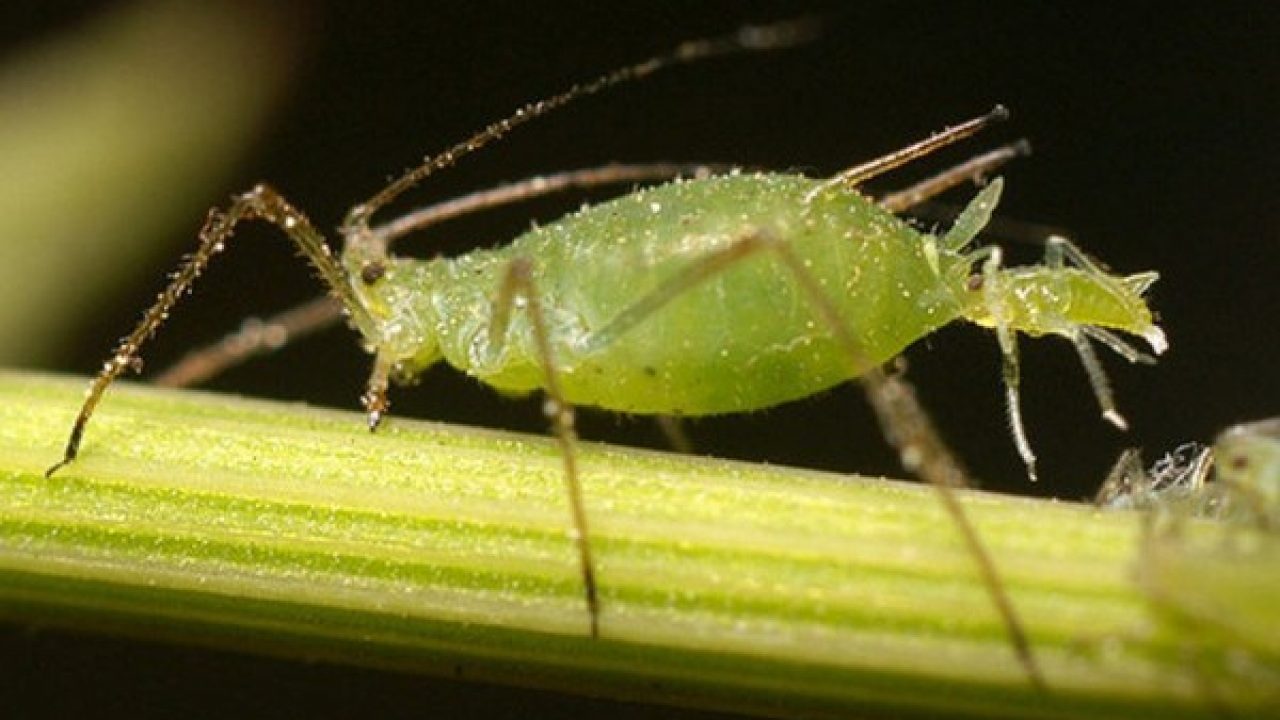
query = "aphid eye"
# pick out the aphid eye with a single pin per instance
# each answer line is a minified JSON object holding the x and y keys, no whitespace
{"x":974,"y":283}
{"x":372,"y":272}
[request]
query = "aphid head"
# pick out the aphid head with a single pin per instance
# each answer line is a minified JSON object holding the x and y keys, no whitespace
{"x":398,"y":320}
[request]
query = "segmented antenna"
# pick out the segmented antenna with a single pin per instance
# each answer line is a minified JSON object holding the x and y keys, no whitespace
{"x":751,"y":38}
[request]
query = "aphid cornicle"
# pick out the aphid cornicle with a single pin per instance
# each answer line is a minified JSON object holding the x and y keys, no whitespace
{"x":705,"y":296}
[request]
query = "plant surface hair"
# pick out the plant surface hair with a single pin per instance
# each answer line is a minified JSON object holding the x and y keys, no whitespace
{"x":803,"y":283}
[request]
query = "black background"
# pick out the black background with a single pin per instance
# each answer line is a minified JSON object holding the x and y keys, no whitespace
{"x":1152,"y":125}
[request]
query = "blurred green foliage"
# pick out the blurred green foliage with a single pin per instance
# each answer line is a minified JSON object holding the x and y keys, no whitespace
{"x":107,"y":133}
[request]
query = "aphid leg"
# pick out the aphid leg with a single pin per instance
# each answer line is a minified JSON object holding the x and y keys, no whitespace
{"x":1098,"y":380}
{"x":260,"y":337}
{"x":519,"y":290}
{"x":1009,"y":367}
{"x":375,"y":395}
{"x":975,"y":170}
{"x":906,"y":423}
{"x":255,"y":337}
{"x":672,"y":430}
{"x":1057,"y":251}
{"x":1117,"y":345}
{"x":262,"y":202}
{"x":923,"y":451}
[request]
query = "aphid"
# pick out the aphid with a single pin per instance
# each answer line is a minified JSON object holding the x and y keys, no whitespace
{"x":715,"y":295}
{"x":1236,"y":479}
{"x":1215,"y":583}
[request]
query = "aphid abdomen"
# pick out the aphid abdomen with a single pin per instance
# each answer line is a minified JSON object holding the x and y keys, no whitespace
{"x":742,"y":339}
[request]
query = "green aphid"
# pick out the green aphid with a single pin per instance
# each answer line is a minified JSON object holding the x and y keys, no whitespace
{"x":715,"y":295}
{"x":1214,"y":583}
{"x":742,"y":339}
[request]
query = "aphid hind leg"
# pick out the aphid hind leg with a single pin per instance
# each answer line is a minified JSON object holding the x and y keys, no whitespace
{"x":905,"y":422}
{"x":262,"y":202}
{"x":375,"y":395}
{"x":518,"y":286}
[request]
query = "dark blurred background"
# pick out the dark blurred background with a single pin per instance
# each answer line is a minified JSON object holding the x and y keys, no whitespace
{"x":1152,"y":126}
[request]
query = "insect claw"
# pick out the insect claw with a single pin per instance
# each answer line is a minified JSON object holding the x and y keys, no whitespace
{"x":1116,"y":419}
{"x":375,"y":419}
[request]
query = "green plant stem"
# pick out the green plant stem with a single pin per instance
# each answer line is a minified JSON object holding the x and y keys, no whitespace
{"x":282,"y":529}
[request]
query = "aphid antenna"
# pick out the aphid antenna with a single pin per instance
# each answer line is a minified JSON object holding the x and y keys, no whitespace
{"x":751,"y":38}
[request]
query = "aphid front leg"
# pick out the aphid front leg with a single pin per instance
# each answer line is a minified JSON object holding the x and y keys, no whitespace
{"x":262,"y":202}
{"x":375,"y":395}
{"x":519,"y":291}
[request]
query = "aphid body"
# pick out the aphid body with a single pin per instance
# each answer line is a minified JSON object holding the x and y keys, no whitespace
{"x":742,"y":339}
